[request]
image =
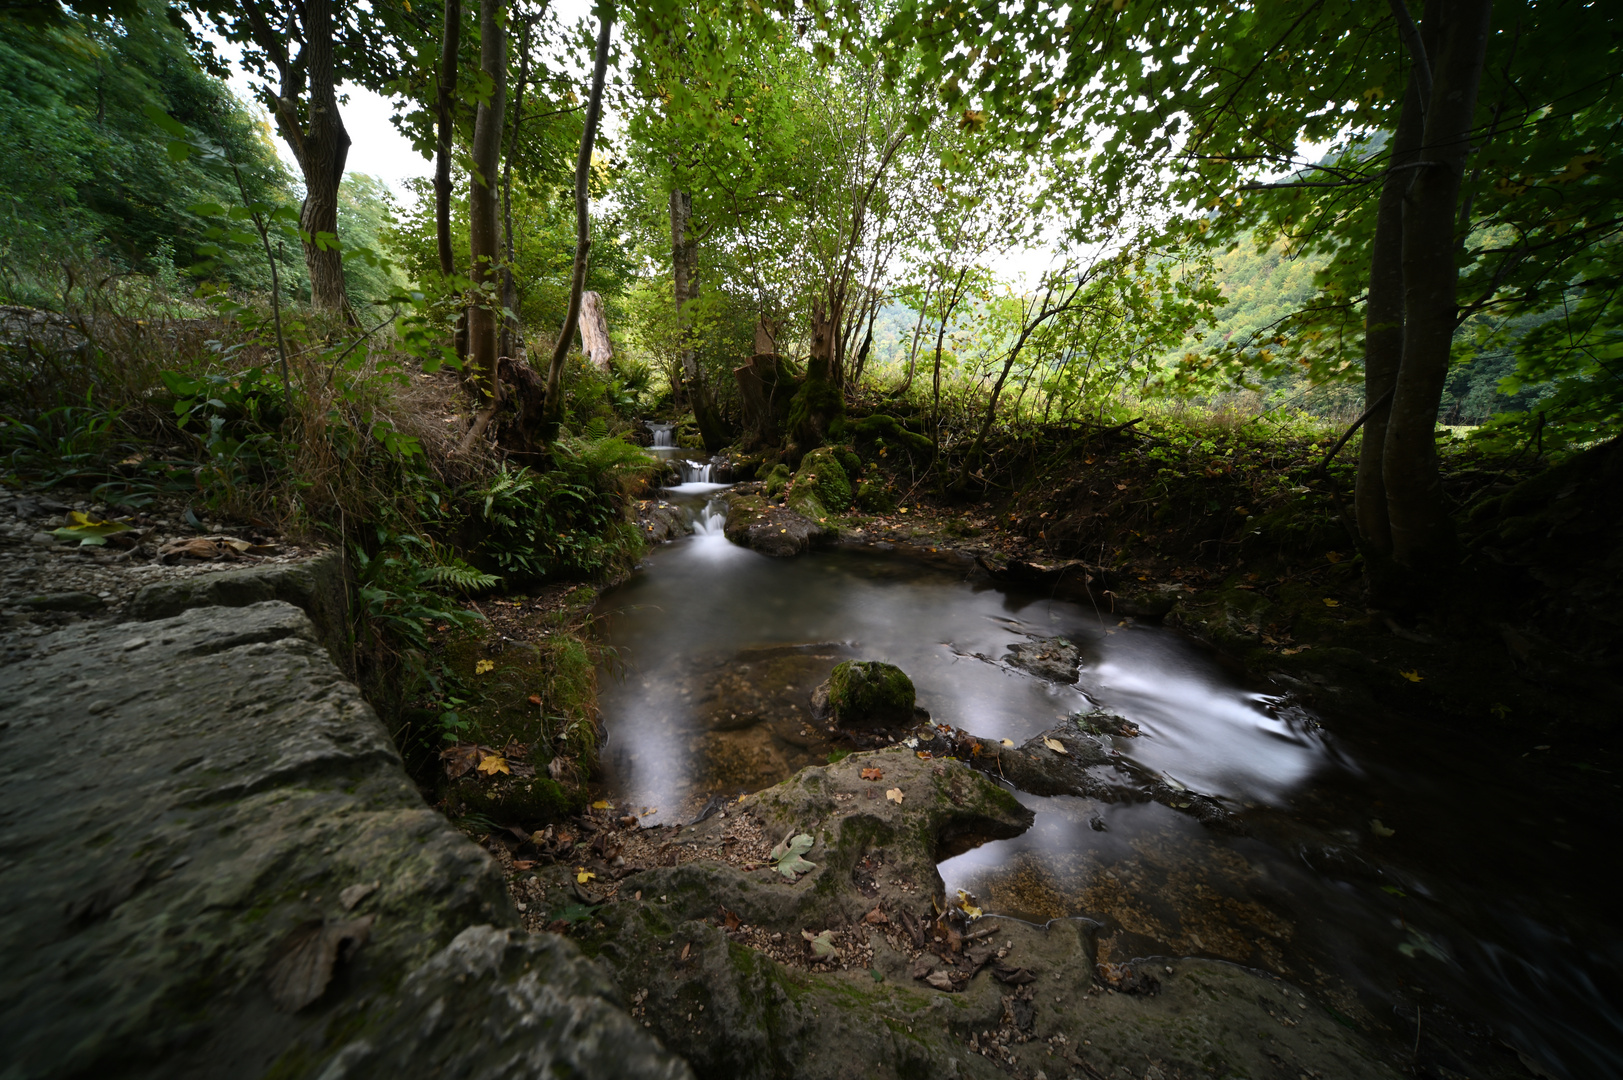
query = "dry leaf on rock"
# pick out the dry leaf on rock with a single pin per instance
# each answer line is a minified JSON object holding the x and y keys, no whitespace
{"x":873,"y":774}
{"x":822,"y":945}
{"x":875,"y":918}
{"x":460,"y":759}
{"x":940,"y":980}
{"x":894,"y":795}
{"x":1055,"y":745}
{"x":301,"y":965}
{"x":730,"y":919}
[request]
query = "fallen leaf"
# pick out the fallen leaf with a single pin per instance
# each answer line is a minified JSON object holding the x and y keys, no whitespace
{"x":583,"y":875}
{"x":873,"y":774}
{"x":1378,"y":829}
{"x":1008,"y":742}
{"x":493,"y":764}
{"x":730,"y":919}
{"x":894,"y":795}
{"x":88,"y":531}
{"x":523,"y":864}
{"x":1055,"y":745}
{"x":924,"y":755}
{"x":822,"y":945}
{"x":459,"y":760}
{"x":602,"y":804}
{"x":967,"y":905}
{"x":687,"y":951}
{"x":876,"y":917}
{"x":1331,"y":603}
{"x":535,"y":699}
{"x":302,"y":964}
{"x":483,"y":666}
{"x":787,"y":855}
{"x":1412,"y":676}
{"x":1333,"y":556}
{"x":939,"y":979}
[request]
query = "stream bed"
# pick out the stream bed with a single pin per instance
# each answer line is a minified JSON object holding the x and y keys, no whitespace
{"x":1403,"y":876}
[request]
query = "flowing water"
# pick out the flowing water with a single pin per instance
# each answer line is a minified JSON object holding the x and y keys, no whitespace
{"x":1482,"y":905}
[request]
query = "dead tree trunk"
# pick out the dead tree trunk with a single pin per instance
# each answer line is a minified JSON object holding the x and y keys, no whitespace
{"x":594,"y":331}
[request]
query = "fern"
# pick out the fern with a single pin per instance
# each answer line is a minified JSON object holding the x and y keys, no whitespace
{"x":459,"y":575}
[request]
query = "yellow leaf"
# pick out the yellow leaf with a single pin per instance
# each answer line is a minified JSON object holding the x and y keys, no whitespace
{"x":602,"y":804}
{"x":894,"y":795}
{"x":583,"y":875}
{"x":1378,"y":829}
{"x":903,"y":509}
{"x":1055,"y":745}
{"x":483,"y":666}
{"x":1008,"y":742}
{"x":493,"y":764}
{"x":1412,"y":676}
{"x":1331,"y":603}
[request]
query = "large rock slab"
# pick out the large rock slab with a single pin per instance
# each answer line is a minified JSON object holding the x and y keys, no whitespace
{"x":770,"y":528}
{"x":214,"y":864}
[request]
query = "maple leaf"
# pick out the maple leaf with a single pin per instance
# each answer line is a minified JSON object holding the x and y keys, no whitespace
{"x":583,"y":875}
{"x":483,"y":666}
{"x":493,"y":764}
{"x":873,"y":774}
{"x":822,"y":945}
{"x":730,"y":919}
{"x":894,"y":795}
{"x":1412,"y":676}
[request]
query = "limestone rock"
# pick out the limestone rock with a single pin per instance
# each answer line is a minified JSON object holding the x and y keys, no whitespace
{"x":317,"y":585}
{"x":189,"y":805}
{"x":1054,"y":659}
{"x":771,"y":529}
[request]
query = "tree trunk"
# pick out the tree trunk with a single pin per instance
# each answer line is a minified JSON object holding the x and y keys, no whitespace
{"x":685,"y":284}
{"x":594,"y":332}
{"x":512,"y":336}
{"x":1383,"y":332}
{"x":583,"y":232}
{"x":1422,"y":533}
{"x":766,"y":387}
{"x":451,"y":43}
{"x":484,"y":246}
{"x":818,"y":400}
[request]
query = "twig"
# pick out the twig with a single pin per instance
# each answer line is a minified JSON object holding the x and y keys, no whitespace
{"x":1324,"y":466}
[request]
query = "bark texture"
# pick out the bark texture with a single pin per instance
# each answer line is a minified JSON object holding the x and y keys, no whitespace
{"x":583,"y":235}
{"x":307,"y":117}
{"x":484,"y":246}
{"x":1383,"y":327}
{"x":1422,"y":533}
{"x":594,"y":331}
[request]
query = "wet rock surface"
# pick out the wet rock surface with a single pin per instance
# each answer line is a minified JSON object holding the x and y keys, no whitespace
{"x":860,"y":966}
{"x":769,"y":527}
{"x":215,"y":865}
{"x":1054,"y":659}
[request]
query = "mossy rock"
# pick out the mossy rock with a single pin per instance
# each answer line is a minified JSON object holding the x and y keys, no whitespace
{"x":776,"y":480}
{"x":529,"y":801}
{"x":866,"y":693}
{"x":851,"y":463}
{"x":882,"y":427}
{"x":821,"y":473}
{"x":873,"y":498}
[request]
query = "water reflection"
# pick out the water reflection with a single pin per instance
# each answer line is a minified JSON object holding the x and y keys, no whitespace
{"x":721,"y":648}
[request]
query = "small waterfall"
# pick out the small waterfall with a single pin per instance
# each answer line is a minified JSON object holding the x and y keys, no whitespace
{"x":694,"y":472}
{"x":711,"y":520}
{"x":662,"y":436}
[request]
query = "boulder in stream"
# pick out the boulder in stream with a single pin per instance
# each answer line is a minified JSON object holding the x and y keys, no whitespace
{"x":866,"y":694}
{"x":772,"y":529}
{"x":1054,"y":659}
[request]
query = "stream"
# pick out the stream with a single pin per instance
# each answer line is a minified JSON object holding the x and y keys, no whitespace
{"x":1394,"y":872}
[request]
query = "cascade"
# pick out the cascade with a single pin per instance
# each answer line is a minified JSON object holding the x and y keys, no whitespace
{"x":694,"y":472}
{"x":711,"y":520}
{"x":662,"y":436}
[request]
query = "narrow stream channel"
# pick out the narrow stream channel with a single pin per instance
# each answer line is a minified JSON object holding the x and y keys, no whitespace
{"x":1481,"y":905}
